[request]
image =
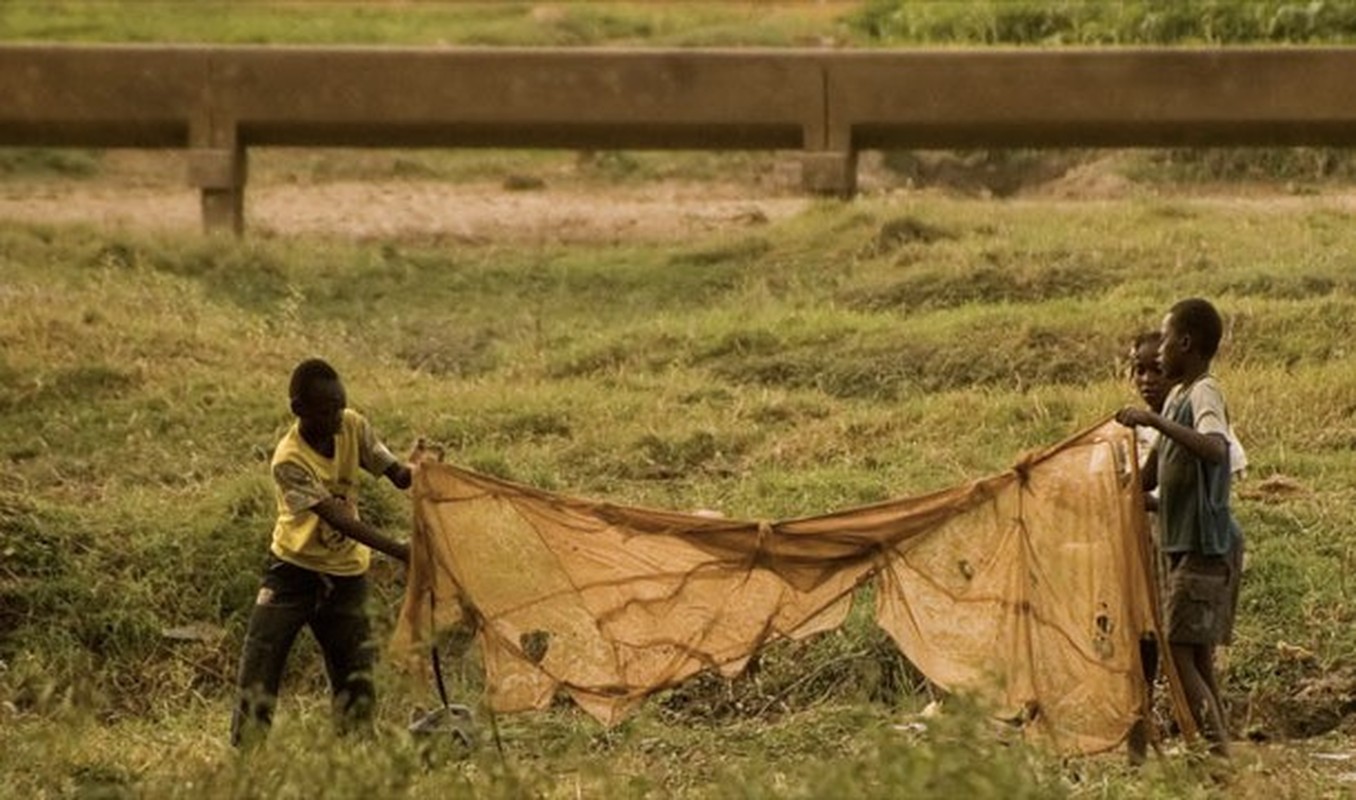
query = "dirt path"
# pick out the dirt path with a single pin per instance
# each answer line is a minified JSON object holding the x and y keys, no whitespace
{"x":464,"y":212}
{"x":146,"y":192}
{"x":488,"y":212}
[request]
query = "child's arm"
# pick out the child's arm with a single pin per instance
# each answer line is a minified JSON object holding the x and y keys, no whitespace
{"x":1212,"y":447}
{"x":1148,"y":478}
{"x":339,"y":517}
{"x":399,"y":475}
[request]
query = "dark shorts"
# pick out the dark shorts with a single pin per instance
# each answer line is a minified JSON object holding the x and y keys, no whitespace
{"x":334,"y":608}
{"x":1202,"y":597}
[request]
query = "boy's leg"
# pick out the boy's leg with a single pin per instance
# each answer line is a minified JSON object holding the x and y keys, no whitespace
{"x":1205,"y":665}
{"x":1148,"y":659}
{"x":1202,"y":701}
{"x":285,"y":601}
{"x":1138,"y":740}
{"x":345,"y":634}
{"x":1198,"y":594}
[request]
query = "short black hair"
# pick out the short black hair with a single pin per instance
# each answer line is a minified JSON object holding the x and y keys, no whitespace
{"x":307,"y":374}
{"x":1143,"y":338}
{"x":1197,"y":317}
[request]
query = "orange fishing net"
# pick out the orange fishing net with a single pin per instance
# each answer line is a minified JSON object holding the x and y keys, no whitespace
{"x":1029,"y":588}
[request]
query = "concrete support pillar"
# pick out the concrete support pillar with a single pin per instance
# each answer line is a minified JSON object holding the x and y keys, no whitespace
{"x":219,"y":172}
{"x":829,"y":172}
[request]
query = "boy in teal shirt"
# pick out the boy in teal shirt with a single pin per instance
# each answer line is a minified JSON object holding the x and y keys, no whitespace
{"x":1202,"y":542}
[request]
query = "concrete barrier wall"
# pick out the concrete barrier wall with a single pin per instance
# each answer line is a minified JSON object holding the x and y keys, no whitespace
{"x":528,"y":98}
{"x":147,"y":96}
{"x":1116,"y":98}
{"x":219,"y":101}
{"x":100,"y":96}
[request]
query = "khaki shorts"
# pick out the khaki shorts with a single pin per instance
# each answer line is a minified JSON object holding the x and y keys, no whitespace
{"x":1202,"y":597}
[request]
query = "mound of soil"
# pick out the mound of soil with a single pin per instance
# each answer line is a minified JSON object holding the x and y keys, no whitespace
{"x":1319,"y":704}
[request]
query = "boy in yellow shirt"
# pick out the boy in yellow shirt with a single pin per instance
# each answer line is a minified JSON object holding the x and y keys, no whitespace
{"x":316,"y":572}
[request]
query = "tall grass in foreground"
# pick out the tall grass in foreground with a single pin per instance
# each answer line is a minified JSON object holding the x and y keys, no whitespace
{"x":858,"y":351}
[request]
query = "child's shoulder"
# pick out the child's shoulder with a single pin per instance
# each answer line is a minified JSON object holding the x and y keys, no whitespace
{"x":1207,"y":388}
{"x":1201,"y":394}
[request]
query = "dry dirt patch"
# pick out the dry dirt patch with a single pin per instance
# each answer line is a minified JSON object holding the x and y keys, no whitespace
{"x":147,"y":191}
{"x":468,"y":212}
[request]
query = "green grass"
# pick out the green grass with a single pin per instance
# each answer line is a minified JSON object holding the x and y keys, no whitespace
{"x":425,"y":23}
{"x":773,"y":24}
{"x":855,"y":352}
{"x":30,"y":162}
{"x":1075,"y":22}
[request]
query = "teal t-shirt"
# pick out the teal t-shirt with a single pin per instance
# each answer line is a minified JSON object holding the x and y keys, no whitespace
{"x":1193,"y":501}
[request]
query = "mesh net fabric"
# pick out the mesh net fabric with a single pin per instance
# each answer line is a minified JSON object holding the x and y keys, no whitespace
{"x":1029,"y":588}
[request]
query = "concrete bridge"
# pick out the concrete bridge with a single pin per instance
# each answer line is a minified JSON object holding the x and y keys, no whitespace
{"x":217,"y":102}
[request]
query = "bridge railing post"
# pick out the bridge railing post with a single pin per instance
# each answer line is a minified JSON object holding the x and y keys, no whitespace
{"x":219,"y":173}
{"x":217,"y":163}
{"x":829,"y":172}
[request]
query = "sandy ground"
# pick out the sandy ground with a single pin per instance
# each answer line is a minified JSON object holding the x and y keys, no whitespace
{"x":149,"y":191}
{"x":147,"y":194}
{"x":466,"y":212}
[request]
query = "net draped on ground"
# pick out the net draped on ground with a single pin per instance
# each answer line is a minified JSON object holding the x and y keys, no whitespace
{"x":1028,"y":589}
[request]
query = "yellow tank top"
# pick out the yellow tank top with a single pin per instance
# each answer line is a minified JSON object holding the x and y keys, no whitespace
{"x":300,"y":536}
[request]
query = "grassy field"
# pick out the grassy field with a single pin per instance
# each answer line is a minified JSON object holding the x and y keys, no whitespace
{"x":683,"y":24}
{"x":430,"y":23}
{"x":857,"y":351}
